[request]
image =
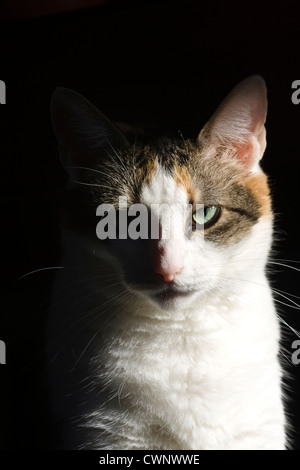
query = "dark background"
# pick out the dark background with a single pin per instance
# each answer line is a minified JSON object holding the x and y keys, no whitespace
{"x":164,"y":63}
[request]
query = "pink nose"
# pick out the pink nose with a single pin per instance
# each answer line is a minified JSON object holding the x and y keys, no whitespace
{"x":167,"y":274}
{"x":167,"y":262}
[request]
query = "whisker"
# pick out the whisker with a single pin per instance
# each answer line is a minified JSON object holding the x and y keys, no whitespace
{"x":84,"y":350}
{"x":276,"y":291}
{"x":184,"y":141}
{"x":287,"y":293}
{"x":54,"y":295}
{"x":70,"y":339}
{"x":93,"y":318}
{"x":288,"y":260}
{"x":36,"y":311}
{"x":285,"y":265}
{"x":39,"y":270}
{"x":286,"y":304}
{"x":117,"y":155}
{"x":282,"y":294}
{"x":92,"y":184}
{"x":116,"y":300}
{"x":296,"y":307}
{"x":134,"y":173}
{"x":96,"y":290}
{"x":122,"y":163}
{"x":91,"y":169}
{"x":290,"y":327}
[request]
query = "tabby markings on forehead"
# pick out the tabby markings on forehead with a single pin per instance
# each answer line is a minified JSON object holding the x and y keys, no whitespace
{"x":159,"y":170}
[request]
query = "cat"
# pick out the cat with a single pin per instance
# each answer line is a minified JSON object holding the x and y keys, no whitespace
{"x":166,"y":343}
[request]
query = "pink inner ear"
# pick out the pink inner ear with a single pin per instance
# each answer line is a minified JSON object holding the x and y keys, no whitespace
{"x":239,"y":122}
{"x":252,"y":151}
{"x":247,"y":153}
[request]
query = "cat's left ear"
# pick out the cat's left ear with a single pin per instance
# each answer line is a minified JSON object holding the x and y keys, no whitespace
{"x":238,"y":123}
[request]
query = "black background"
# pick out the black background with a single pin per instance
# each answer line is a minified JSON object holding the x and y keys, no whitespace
{"x":164,"y":63}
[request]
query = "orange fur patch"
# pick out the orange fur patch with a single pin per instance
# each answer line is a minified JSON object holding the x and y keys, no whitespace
{"x":258,"y":185}
{"x":183,"y":179}
{"x":151,"y":170}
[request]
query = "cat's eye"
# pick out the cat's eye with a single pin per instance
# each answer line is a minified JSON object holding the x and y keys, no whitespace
{"x":206,"y":217}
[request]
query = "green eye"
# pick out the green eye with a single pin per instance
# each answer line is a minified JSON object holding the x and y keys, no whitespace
{"x":205,"y":217}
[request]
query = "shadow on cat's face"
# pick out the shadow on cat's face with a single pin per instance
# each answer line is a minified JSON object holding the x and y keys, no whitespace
{"x":137,"y":259}
{"x":220,"y":170}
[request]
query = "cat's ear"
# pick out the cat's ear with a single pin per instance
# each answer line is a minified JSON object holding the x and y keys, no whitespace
{"x":83,"y":133}
{"x":238,"y":123}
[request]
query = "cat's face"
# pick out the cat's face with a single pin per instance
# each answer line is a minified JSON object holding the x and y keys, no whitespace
{"x":209,"y":198}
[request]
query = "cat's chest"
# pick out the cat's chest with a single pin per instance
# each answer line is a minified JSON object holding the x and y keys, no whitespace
{"x":175,"y":357}
{"x":180,"y":358}
{"x":190,"y":377}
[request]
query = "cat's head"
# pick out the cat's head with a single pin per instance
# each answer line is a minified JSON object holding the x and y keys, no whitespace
{"x":197,"y":214}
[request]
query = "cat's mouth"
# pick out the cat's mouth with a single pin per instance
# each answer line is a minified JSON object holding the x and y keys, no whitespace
{"x":167,"y":296}
{"x":172,"y":297}
{"x":171,"y":293}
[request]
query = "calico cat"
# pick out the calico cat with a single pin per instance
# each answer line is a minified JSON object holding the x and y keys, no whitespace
{"x":166,"y":342}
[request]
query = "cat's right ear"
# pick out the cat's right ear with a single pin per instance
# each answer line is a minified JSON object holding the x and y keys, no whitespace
{"x":83,"y":133}
{"x":238,"y":123}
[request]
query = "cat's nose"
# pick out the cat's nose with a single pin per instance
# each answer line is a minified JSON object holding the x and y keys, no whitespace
{"x":167,"y":275}
{"x":167,"y":261}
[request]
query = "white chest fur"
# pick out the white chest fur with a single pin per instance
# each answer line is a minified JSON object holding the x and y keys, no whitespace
{"x":209,"y":381}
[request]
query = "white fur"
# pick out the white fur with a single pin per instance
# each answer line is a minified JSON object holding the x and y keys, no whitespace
{"x":201,"y":375}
